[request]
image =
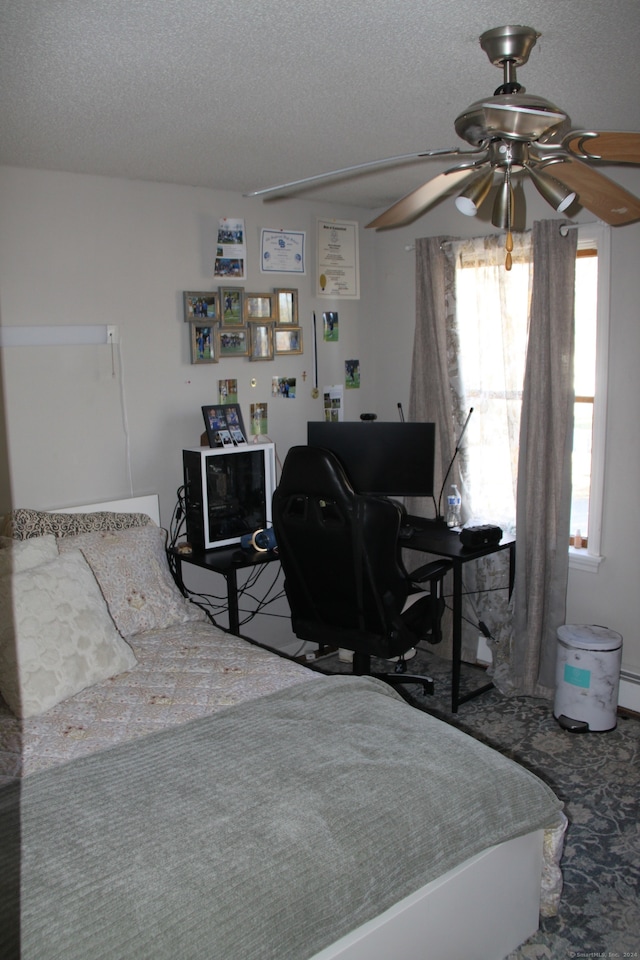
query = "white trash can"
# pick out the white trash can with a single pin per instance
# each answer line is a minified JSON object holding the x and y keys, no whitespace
{"x":587,"y":677}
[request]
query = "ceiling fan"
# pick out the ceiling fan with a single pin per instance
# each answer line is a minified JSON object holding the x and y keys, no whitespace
{"x":511,"y":133}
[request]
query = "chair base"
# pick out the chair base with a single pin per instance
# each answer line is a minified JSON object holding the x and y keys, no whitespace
{"x":397,"y":679}
{"x":362,"y":668}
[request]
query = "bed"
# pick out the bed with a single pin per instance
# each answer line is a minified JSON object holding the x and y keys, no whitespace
{"x":211,"y":799}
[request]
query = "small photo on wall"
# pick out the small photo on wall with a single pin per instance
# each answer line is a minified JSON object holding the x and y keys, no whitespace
{"x":228,"y":391}
{"x":332,"y":401}
{"x":330,"y":326}
{"x":352,"y":374}
{"x":259,"y":421}
{"x":283,"y":387}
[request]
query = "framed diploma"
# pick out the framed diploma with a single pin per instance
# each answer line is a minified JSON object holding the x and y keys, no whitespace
{"x":282,"y":251}
{"x":338,"y":273}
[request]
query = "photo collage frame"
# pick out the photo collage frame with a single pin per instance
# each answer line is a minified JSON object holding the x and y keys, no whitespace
{"x":231,"y":322}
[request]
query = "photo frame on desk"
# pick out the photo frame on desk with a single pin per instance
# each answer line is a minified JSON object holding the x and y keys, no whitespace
{"x":224,"y":424}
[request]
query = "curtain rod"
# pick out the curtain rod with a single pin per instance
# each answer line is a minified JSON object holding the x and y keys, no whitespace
{"x":564,"y":230}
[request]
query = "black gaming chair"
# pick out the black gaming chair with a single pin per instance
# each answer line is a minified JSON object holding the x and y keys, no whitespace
{"x":344,"y":578}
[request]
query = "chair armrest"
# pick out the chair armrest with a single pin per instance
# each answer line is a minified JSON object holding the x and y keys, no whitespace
{"x":435,"y":570}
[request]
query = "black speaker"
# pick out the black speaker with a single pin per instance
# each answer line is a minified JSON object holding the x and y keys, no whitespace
{"x":482,"y":536}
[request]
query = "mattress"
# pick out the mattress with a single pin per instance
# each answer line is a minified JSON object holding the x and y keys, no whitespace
{"x":184,"y":672}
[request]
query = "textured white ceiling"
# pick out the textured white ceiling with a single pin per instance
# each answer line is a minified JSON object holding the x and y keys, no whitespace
{"x":241,"y":94}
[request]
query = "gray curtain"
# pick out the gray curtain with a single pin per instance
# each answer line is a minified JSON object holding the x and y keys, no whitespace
{"x":524,"y":661}
{"x":434,"y":374}
{"x":544,"y":465}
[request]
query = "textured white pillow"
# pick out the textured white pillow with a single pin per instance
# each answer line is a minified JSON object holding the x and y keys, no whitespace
{"x":56,"y":635}
{"x":17,"y":555}
{"x":132,"y":570}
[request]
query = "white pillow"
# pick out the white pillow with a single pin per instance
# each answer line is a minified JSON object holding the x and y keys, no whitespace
{"x":132,"y":570}
{"x":56,"y":635}
{"x":18,"y":555}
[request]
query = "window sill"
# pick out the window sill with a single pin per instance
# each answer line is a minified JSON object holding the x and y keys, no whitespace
{"x":582,"y":560}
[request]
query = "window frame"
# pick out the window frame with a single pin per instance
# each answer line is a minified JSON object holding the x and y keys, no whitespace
{"x":598,"y":236}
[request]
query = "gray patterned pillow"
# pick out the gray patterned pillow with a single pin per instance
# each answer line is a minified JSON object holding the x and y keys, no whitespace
{"x":56,"y":635}
{"x":132,"y":570}
{"x":24,"y":523}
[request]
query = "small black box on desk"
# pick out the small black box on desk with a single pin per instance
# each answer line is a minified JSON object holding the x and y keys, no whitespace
{"x":480,"y":536}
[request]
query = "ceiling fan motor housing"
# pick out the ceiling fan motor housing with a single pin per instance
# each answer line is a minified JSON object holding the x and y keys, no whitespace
{"x":517,"y":116}
{"x":510,"y":114}
{"x":509,"y":44}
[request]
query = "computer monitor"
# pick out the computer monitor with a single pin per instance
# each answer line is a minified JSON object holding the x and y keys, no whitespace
{"x":383,"y":459}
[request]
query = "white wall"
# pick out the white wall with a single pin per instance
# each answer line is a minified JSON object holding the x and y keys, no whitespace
{"x":90,"y":250}
{"x":77,"y":249}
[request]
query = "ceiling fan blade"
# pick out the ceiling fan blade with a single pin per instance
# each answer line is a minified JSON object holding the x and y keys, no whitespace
{"x":614,"y":147}
{"x":294,"y":185}
{"x":608,"y":200}
{"x":416,"y":202}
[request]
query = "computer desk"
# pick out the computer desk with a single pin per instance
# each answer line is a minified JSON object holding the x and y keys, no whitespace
{"x":225,"y":561}
{"x":436,"y":538}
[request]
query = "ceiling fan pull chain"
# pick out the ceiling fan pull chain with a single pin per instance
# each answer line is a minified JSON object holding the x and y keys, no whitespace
{"x":509,"y":241}
{"x":508,"y":261}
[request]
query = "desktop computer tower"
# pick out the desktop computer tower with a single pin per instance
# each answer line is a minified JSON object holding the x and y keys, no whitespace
{"x":227,"y":492}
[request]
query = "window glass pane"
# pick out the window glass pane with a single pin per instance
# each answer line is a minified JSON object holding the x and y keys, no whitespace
{"x":492,"y":324}
{"x":493,"y":336}
{"x":584,"y":380}
{"x":586,"y":319}
{"x":581,"y":467}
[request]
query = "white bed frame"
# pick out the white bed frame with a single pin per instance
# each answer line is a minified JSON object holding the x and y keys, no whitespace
{"x":149,"y":505}
{"x":481,"y":910}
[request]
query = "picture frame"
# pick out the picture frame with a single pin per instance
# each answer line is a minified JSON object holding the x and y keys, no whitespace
{"x":287,"y":306}
{"x":233,"y":341}
{"x":259,"y":306}
{"x":287,"y":340}
{"x":200,"y":305}
{"x":331,"y":326}
{"x":224,"y":424}
{"x":231,"y":306}
{"x":203,"y":343}
{"x":261,"y":340}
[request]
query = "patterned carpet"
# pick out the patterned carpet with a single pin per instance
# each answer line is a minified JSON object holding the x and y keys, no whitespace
{"x":597,"y":775}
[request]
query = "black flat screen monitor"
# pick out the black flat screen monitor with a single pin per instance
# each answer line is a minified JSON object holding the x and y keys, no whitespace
{"x":383,"y":459}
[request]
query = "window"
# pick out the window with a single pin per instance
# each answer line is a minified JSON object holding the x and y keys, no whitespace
{"x":492,"y":311}
{"x":586,"y":314}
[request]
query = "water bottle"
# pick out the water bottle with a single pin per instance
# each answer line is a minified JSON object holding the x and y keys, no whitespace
{"x":454,"y":502}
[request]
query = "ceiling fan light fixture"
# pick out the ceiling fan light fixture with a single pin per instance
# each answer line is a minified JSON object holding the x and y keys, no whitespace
{"x":474,"y":195}
{"x":555,"y":193}
{"x":502,"y":216}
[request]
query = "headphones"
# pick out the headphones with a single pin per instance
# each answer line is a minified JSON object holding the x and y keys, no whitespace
{"x":260,"y":540}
